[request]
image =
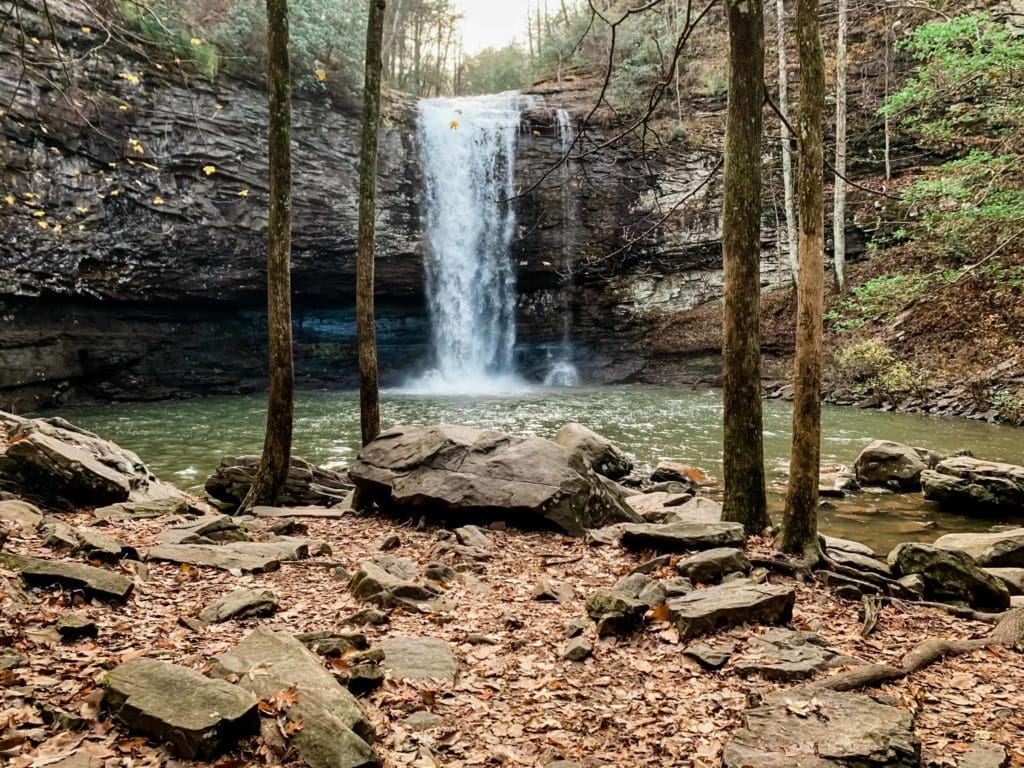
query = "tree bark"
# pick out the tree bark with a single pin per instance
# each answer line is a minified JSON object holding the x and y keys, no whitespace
{"x":839,"y":207}
{"x":273,"y":468}
{"x":800,"y":523}
{"x":743,"y":450}
{"x":789,"y":195}
{"x":366,"y":334}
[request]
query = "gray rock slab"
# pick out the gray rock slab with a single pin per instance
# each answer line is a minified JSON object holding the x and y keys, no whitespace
{"x":805,"y":728}
{"x":680,"y":537}
{"x":578,"y":649}
{"x":197,"y":717}
{"x":860,"y":562}
{"x":984,"y":755}
{"x":603,"y":456}
{"x":419,"y":658}
{"x":327,"y":643}
{"x":708,"y":610}
{"x":550,"y":591}
{"x":846,"y":545}
{"x":320,"y":513}
{"x":142,"y":510}
{"x":473,"y":536}
{"x":950,"y":575}
{"x":712,"y":565}
{"x":616,"y":613}
{"x":239,"y":603}
{"x":374,"y":585}
{"x":213,"y":529}
{"x":699,"y":509}
{"x":26,"y":517}
{"x":245,"y":556}
{"x":710,"y":657}
{"x":335,"y":729}
{"x":890,"y":464}
{"x":1003,"y":549}
{"x":972,"y":485}
{"x":1013,"y":578}
{"x":94,"y":581}
{"x":99,"y":545}
{"x":786,"y":655}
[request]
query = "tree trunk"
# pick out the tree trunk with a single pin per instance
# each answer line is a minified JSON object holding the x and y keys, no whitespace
{"x":366,"y":334}
{"x":839,"y":207}
{"x":789,"y":195}
{"x":743,"y":450}
{"x":277,"y":445}
{"x":800,"y":523}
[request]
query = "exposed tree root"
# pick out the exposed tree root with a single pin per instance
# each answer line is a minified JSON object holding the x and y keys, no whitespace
{"x":863,"y":676}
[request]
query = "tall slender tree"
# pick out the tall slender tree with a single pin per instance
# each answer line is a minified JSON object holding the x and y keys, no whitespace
{"x":839,"y":207}
{"x":743,"y":450}
{"x":369,"y":396}
{"x":789,"y":194}
{"x":277,"y":445}
{"x":800,"y":522}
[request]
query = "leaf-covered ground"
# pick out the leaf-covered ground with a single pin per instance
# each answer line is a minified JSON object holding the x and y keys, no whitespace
{"x":636,"y":702}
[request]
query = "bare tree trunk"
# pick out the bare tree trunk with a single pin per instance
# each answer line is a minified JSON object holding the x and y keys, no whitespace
{"x":800,"y":523}
{"x":277,"y":445}
{"x":789,"y":195}
{"x":743,"y":450}
{"x":369,"y":395}
{"x":888,"y":83}
{"x":839,"y":207}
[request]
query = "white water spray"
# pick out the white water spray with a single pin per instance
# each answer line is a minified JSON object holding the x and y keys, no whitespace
{"x":467,"y":152}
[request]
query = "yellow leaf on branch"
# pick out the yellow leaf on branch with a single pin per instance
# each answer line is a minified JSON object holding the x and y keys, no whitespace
{"x":320,"y":74}
{"x":243,"y":192}
{"x":209,"y":170}
{"x":158,"y":200}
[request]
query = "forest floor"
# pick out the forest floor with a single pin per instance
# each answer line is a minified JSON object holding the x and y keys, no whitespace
{"x":636,"y":702}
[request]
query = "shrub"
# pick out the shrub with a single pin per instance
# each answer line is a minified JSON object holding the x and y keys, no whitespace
{"x":870,"y":367}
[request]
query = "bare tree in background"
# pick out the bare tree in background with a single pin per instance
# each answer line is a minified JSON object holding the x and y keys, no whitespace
{"x":743,"y":450}
{"x":839,"y":208}
{"x":277,"y":445}
{"x":800,"y":522}
{"x":787,"y":152}
{"x":369,"y":395}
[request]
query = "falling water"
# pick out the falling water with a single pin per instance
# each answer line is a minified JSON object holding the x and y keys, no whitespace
{"x":467,"y":151}
{"x":562,"y":372}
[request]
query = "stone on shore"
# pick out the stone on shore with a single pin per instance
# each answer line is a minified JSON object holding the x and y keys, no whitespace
{"x":1013,"y":578}
{"x":380,"y":586}
{"x":240,"y":603}
{"x":785,"y":655}
{"x":307,"y":485}
{"x":950,"y":576}
{"x":334,"y":729}
{"x":198,"y":718}
{"x":677,"y":472}
{"x":890,"y":464}
{"x":845,"y":545}
{"x":419,"y":658}
{"x":1004,"y":549}
{"x":244,"y":556}
{"x":211,"y":529}
{"x":971,"y":485}
{"x":656,"y":507}
{"x":603,"y":456}
{"x":95,"y":582}
{"x":481,"y":475}
{"x":680,"y":537}
{"x":699,"y":509}
{"x":712,"y":565}
{"x":704,"y":611}
{"x":817,"y":728}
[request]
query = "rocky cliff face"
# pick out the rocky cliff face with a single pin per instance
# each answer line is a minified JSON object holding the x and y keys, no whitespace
{"x":131,"y":237}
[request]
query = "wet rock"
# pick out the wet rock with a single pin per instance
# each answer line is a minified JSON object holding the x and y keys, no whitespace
{"x":972,"y":485}
{"x":68,"y":467}
{"x":473,"y":536}
{"x":708,"y":610}
{"x":244,"y":556}
{"x":419,"y":658}
{"x":333,"y":643}
{"x":198,"y":718}
{"x":213,"y":529}
{"x":950,"y":575}
{"x":20,"y":514}
{"x":466,"y":472}
{"x":93,"y":581}
{"x":578,"y":649}
{"x":1004,"y":549}
{"x":709,"y":657}
{"x":552,"y":592}
{"x":805,"y":728}
{"x":75,"y":626}
{"x":307,"y":485}
{"x":712,"y":565}
{"x":239,"y":604}
{"x":890,"y":464}
{"x":97,"y":545}
{"x":678,"y":472}
{"x":373,"y":584}
{"x":335,"y":730}
{"x":680,"y":537}
{"x":616,"y":613}
{"x":786,"y":655}
{"x":603,"y":456}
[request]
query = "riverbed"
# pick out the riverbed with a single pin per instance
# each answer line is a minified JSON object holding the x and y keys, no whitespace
{"x":183,"y":441}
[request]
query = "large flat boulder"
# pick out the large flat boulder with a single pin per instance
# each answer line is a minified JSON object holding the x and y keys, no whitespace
{"x":972,"y":485}
{"x":1003,"y":549}
{"x":680,"y":537}
{"x":728,"y":605}
{"x":334,"y":730}
{"x":419,"y":658}
{"x":890,"y":464}
{"x":306,"y":485}
{"x":476,"y":475}
{"x":950,"y":576}
{"x":198,"y":718}
{"x":816,"y":728}
{"x":93,"y":581}
{"x":244,"y":556}
{"x":60,"y":465}
{"x":786,"y":655}
{"x":603,"y":456}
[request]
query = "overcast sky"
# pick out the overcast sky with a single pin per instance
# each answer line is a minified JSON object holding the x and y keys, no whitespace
{"x":492,"y":22}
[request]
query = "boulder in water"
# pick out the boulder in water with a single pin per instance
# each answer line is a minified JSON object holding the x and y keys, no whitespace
{"x":972,"y":485}
{"x":472,"y":474}
{"x":891,"y":464}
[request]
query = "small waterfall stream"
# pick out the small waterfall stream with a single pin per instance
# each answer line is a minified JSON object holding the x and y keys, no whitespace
{"x":467,"y":152}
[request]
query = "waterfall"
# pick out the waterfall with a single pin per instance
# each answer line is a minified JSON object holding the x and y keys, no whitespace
{"x":467,"y":152}
{"x":562,"y":372}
